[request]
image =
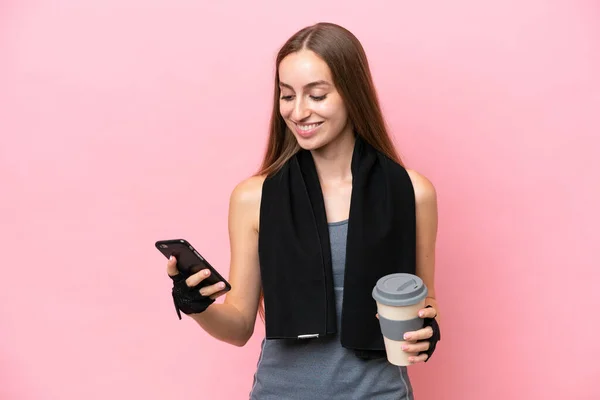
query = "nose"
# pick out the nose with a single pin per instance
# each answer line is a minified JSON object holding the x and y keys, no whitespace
{"x":300,"y":111}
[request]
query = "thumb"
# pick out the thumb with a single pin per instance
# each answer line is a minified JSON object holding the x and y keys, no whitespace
{"x":172,"y":266}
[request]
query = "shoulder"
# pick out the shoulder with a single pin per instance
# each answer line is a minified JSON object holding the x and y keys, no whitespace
{"x":245,"y":199}
{"x":423,"y":188}
{"x":248,"y":192}
{"x":425,"y":193}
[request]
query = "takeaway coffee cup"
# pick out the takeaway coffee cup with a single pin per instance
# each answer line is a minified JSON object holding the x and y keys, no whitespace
{"x":399,"y":298}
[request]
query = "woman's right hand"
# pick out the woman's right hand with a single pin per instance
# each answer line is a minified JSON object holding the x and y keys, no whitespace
{"x":212,"y":291}
{"x":187,"y":297}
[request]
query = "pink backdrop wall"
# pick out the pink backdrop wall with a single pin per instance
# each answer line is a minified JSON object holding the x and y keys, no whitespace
{"x":124,"y":122}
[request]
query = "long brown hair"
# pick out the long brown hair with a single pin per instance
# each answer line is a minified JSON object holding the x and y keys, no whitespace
{"x":346,"y":59}
{"x":351,"y":75}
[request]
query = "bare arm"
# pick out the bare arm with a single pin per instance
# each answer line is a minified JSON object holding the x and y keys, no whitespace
{"x":427,"y":225}
{"x":427,"y":222}
{"x":233,"y":320}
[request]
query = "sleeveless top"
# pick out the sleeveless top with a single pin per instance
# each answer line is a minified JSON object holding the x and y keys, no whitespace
{"x":321,"y":368}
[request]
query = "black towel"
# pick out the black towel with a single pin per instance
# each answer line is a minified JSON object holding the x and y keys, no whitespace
{"x":294,"y":248}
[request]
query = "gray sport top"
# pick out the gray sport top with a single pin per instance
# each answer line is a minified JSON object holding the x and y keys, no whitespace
{"x":316,"y":369}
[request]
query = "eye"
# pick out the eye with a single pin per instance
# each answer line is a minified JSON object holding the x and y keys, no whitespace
{"x":286,"y":98}
{"x":319,"y":98}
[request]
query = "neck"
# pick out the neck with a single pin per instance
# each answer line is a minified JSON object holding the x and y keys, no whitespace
{"x":333,"y":160}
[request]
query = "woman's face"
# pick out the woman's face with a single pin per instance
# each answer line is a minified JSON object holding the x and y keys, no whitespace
{"x":309,"y":103}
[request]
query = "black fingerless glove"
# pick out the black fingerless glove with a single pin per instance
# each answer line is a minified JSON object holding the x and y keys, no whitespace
{"x":435,"y":338}
{"x":188,"y":299}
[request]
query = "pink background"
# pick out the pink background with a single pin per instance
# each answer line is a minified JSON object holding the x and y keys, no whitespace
{"x":124,"y":122}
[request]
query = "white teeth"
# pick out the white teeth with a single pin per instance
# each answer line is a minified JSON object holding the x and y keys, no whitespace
{"x":308,"y":127}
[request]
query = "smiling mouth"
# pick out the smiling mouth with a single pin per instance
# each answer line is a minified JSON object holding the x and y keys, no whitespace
{"x":308,"y":127}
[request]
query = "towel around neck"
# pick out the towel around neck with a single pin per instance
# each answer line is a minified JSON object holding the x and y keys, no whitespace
{"x":295,"y":255}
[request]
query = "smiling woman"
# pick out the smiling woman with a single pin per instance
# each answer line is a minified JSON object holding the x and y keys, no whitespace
{"x":313,"y":107}
{"x":330,"y":212}
{"x":307,"y":108}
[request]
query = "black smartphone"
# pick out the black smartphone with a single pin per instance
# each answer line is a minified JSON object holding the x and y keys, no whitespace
{"x":189,"y":261}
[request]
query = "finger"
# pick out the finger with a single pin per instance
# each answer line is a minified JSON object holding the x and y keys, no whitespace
{"x":377,"y":316}
{"x":421,"y":334}
{"x":212,"y":289}
{"x":172,"y":266}
{"x":418,"y":359}
{"x":415,"y":347}
{"x":198,"y":277}
{"x":428,"y":312}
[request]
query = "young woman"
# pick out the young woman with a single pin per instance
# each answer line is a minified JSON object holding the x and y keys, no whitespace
{"x":331,"y":210}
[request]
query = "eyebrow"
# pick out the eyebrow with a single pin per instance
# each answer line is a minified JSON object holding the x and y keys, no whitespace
{"x":308,"y":85}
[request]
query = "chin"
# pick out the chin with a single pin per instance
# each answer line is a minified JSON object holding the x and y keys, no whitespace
{"x":313,"y":143}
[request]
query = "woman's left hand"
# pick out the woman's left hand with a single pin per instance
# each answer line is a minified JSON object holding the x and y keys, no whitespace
{"x":418,"y":341}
